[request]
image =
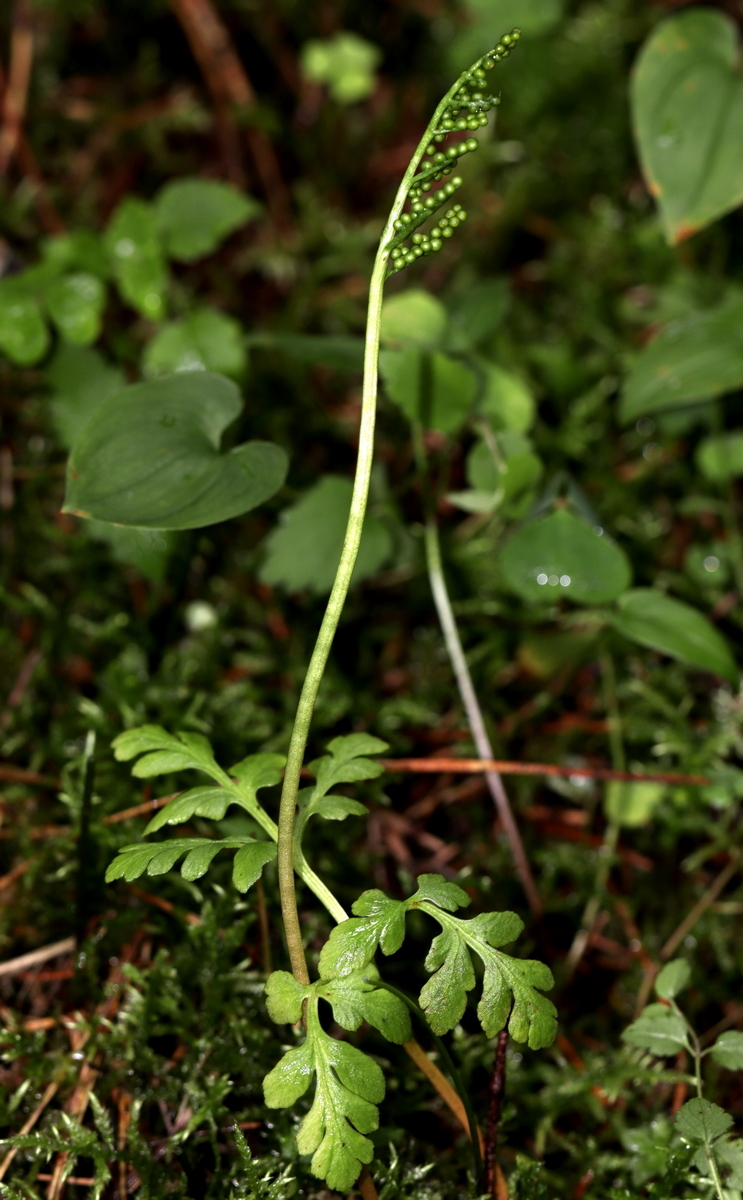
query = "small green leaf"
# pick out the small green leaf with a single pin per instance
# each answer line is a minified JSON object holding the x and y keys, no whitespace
{"x":284,"y":998}
{"x":448,"y":896}
{"x":444,"y":997}
{"x":720,"y":458}
{"x":694,"y":358}
{"x":82,"y":380}
{"x":632,"y":804}
{"x":195,"y":215}
{"x":435,"y":389}
{"x":728,"y":1050}
{"x":24,"y":337}
{"x":687,"y":105}
{"x":654,"y":619}
{"x":249,"y":863}
{"x":345,"y":63}
{"x":143,"y":739}
{"x":659,"y":1029}
{"x":75,"y":303}
{"x":205,"y":340}
{"x":290,"y":1078}
{"x":506,"y":400}
{"x":479,"y":311}
{"x":357,"y":997}
{"x":730,"y":1155}
{"x":413,"y":318}
{"x":346,"y":762}
{"x":353,"y":943}
{"x":135,"y":251}
{"x":305,"y":548}
{"x":673,"y":979}
{"x":560,"y":556}
{"x":149,"y":456}
{"x":209,"y":802}
{"x":701,"y":1121}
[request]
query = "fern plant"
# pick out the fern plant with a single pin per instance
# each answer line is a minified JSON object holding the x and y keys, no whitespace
{"x":349,"y":1085}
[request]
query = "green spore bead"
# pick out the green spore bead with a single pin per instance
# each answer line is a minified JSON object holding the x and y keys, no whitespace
{"x":461,"y":123}
{"x":417,"y":238}
{"x":473,"y":123}
{"x":453,"y":222}
{"x":416,"y":207}
{"x":500,"y":48}
{"x":435,"y":244}
{"x":430,"y":202}
{"x":409,"y":256}
{"x":455,"y":183}
{"x":462,"y":216}
{"x":472,"y":143}
{"x":417,"y":251}
{"x":425,"y":187}
{"x":453,"y":152}
{"x":439,"y":157}
{"x":489,"y":63}
{"x":447,"y":124}
{"x":397,"y":252}
{"x":447,"y":231}
{"x":431,"y":149}
{"x":483,"y":119}
{"x":437,"y":176}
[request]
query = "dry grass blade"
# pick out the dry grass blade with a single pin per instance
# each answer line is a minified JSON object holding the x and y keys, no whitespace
{"x":49,"y":1094}
{"x":19,"y":77}
{"x":35,"y":958}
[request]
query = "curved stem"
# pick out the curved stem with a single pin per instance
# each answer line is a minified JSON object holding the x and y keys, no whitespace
{"x":330,"y":621}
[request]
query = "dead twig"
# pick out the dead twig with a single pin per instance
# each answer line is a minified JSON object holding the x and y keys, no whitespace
{"x":476,"y":766}
{"x":497,"y":1088}
{"x":19,"y":77}
{"x":701,"y":906}
{"x":35,"y":958}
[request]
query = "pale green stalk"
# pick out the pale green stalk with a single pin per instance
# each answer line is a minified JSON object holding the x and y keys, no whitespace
{"x":319,"y":659}
{"x":697,"y":1052}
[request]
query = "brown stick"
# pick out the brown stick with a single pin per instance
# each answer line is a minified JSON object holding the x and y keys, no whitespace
{"x":497,"y":1088}
{"x":475,"y":766}
{"x":49,"y":1094}
{"x":12,"y":774}
{"x":35,"y":958}
{"x":701,"y":906}
{"x":366,"y":1185}
{"x":19,"y":77}
{"x":447,"y":1093}
{"x":139,"y":809}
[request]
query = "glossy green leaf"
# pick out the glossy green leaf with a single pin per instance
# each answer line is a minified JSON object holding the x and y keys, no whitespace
{"x":659,"y":1029}
{"x":672,"y":979}
{"x":160,"y":857}
{"x":701,"y":1121}
{"x":728,"y":1050}
{"x":434,"y":389}
{"x":75,"y":303}
{"x":632,"y":804}
{"x":720,"y":458}
{"x":249,"y":863}
{"x":345,"y":62}
{"x":133,"y":243}
{"x":694,"y":358}
{"x":378,"y":921}
{"x":24,"y":337}
{"x":81,"y":380}
{"x":560,"y":556}
{"x":305,"y":548}
{"x":357,"y":997}
{"x":195,"y":215}
{"x":150,"y":457}
{"x":656,"y":620}
{"x":687,"y":106}
{"x":506,"y":400}
{"x":284,"y":997}
{"x":205,"y":340}
{"x":413,"y":318}
{"x":210,"y":802}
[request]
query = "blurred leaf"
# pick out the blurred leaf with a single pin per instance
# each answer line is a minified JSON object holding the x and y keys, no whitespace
{"x":506,"y":400}
{"x":75,"y":304}
{"x":195,"y":215}
{"x":478,"y":312}
{"x":147,"y":550}
{"x":133,"y":243}
{"x":82,"y":380}
{"x":687,"y":104}
{"x":345,"y":353}
{"x":730,"y":1155}
{"x":672,"y":979}
{"x":149,"y":456}
{"x":561,"y":556}
{"x":490,"y":19}
{"x":413,"y":318}
{"x":659,"y":1029}
{"x":656,"y":620}
{"x":305,"y":548}
{"x":345,"y":62}
{"x":728,"y":1050}
{"x":720,"y":458}
{"x":435,"y":389}
{"x":632,"y":804}
{"x":702,"y":1121}
{"x":24,"y":337}
{"x":81,"y":250}
{"x":693,"y":358}
{"x":205,"y":340}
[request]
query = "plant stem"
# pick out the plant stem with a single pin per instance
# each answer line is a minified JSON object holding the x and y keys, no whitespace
{"x":696,"y":1050}
{"x":315,"y":671}
{"x":497,"y":1088}
{"x":473,"y":711}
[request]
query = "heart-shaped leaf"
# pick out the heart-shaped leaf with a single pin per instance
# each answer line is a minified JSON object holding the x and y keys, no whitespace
{"x":413,"y":318}
{"x":435,"y":389}
{"x":149,"y":456}
{"x":687,"y":104}
{"x":205,"y":340}
{"x":561,"y":556}
{"x":697,"y":357}
{"x":195,"y":215}
{"x":653,"y":619}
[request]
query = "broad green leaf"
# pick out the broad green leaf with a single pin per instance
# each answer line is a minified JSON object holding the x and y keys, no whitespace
{"x":413,"y":318}
{"x":656,"y":620}
{"x":659,"y":1029}
{"x":345,"y":62}
{"x":730,"y":1155}
{"x":434,"y":389}
{"x":720,"y":458}
{"x":701,"y":1121}
{"x":673,"y":979}
{"x":82,"y":380}
{"x":560,"y":556}
{"x":148,"y":550}
{"x":284,"y":998}
{"x":478,"y":312}
{"x":205,"y":340}
{"x":687,"y":107}
{"x":506,"y":400}
{"x":344,"y":353}
{"x":728,"y":1050}
{"x":210,"y":802}
{"x":195,"y":215}
{"x":159,"y":857}
{"x":632,"y":804}
{"x":694,"y":358}
{"x":75,"y":303}
{"x":24,"y":337}
{"x":378,"y":921}
{"x":349,"y":1085}
{"x":135,"y":250}
{"x":305,"y":548}
{"x":357,"y":997}
{"x":249,"y":863}
{"x":149,"y":456}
